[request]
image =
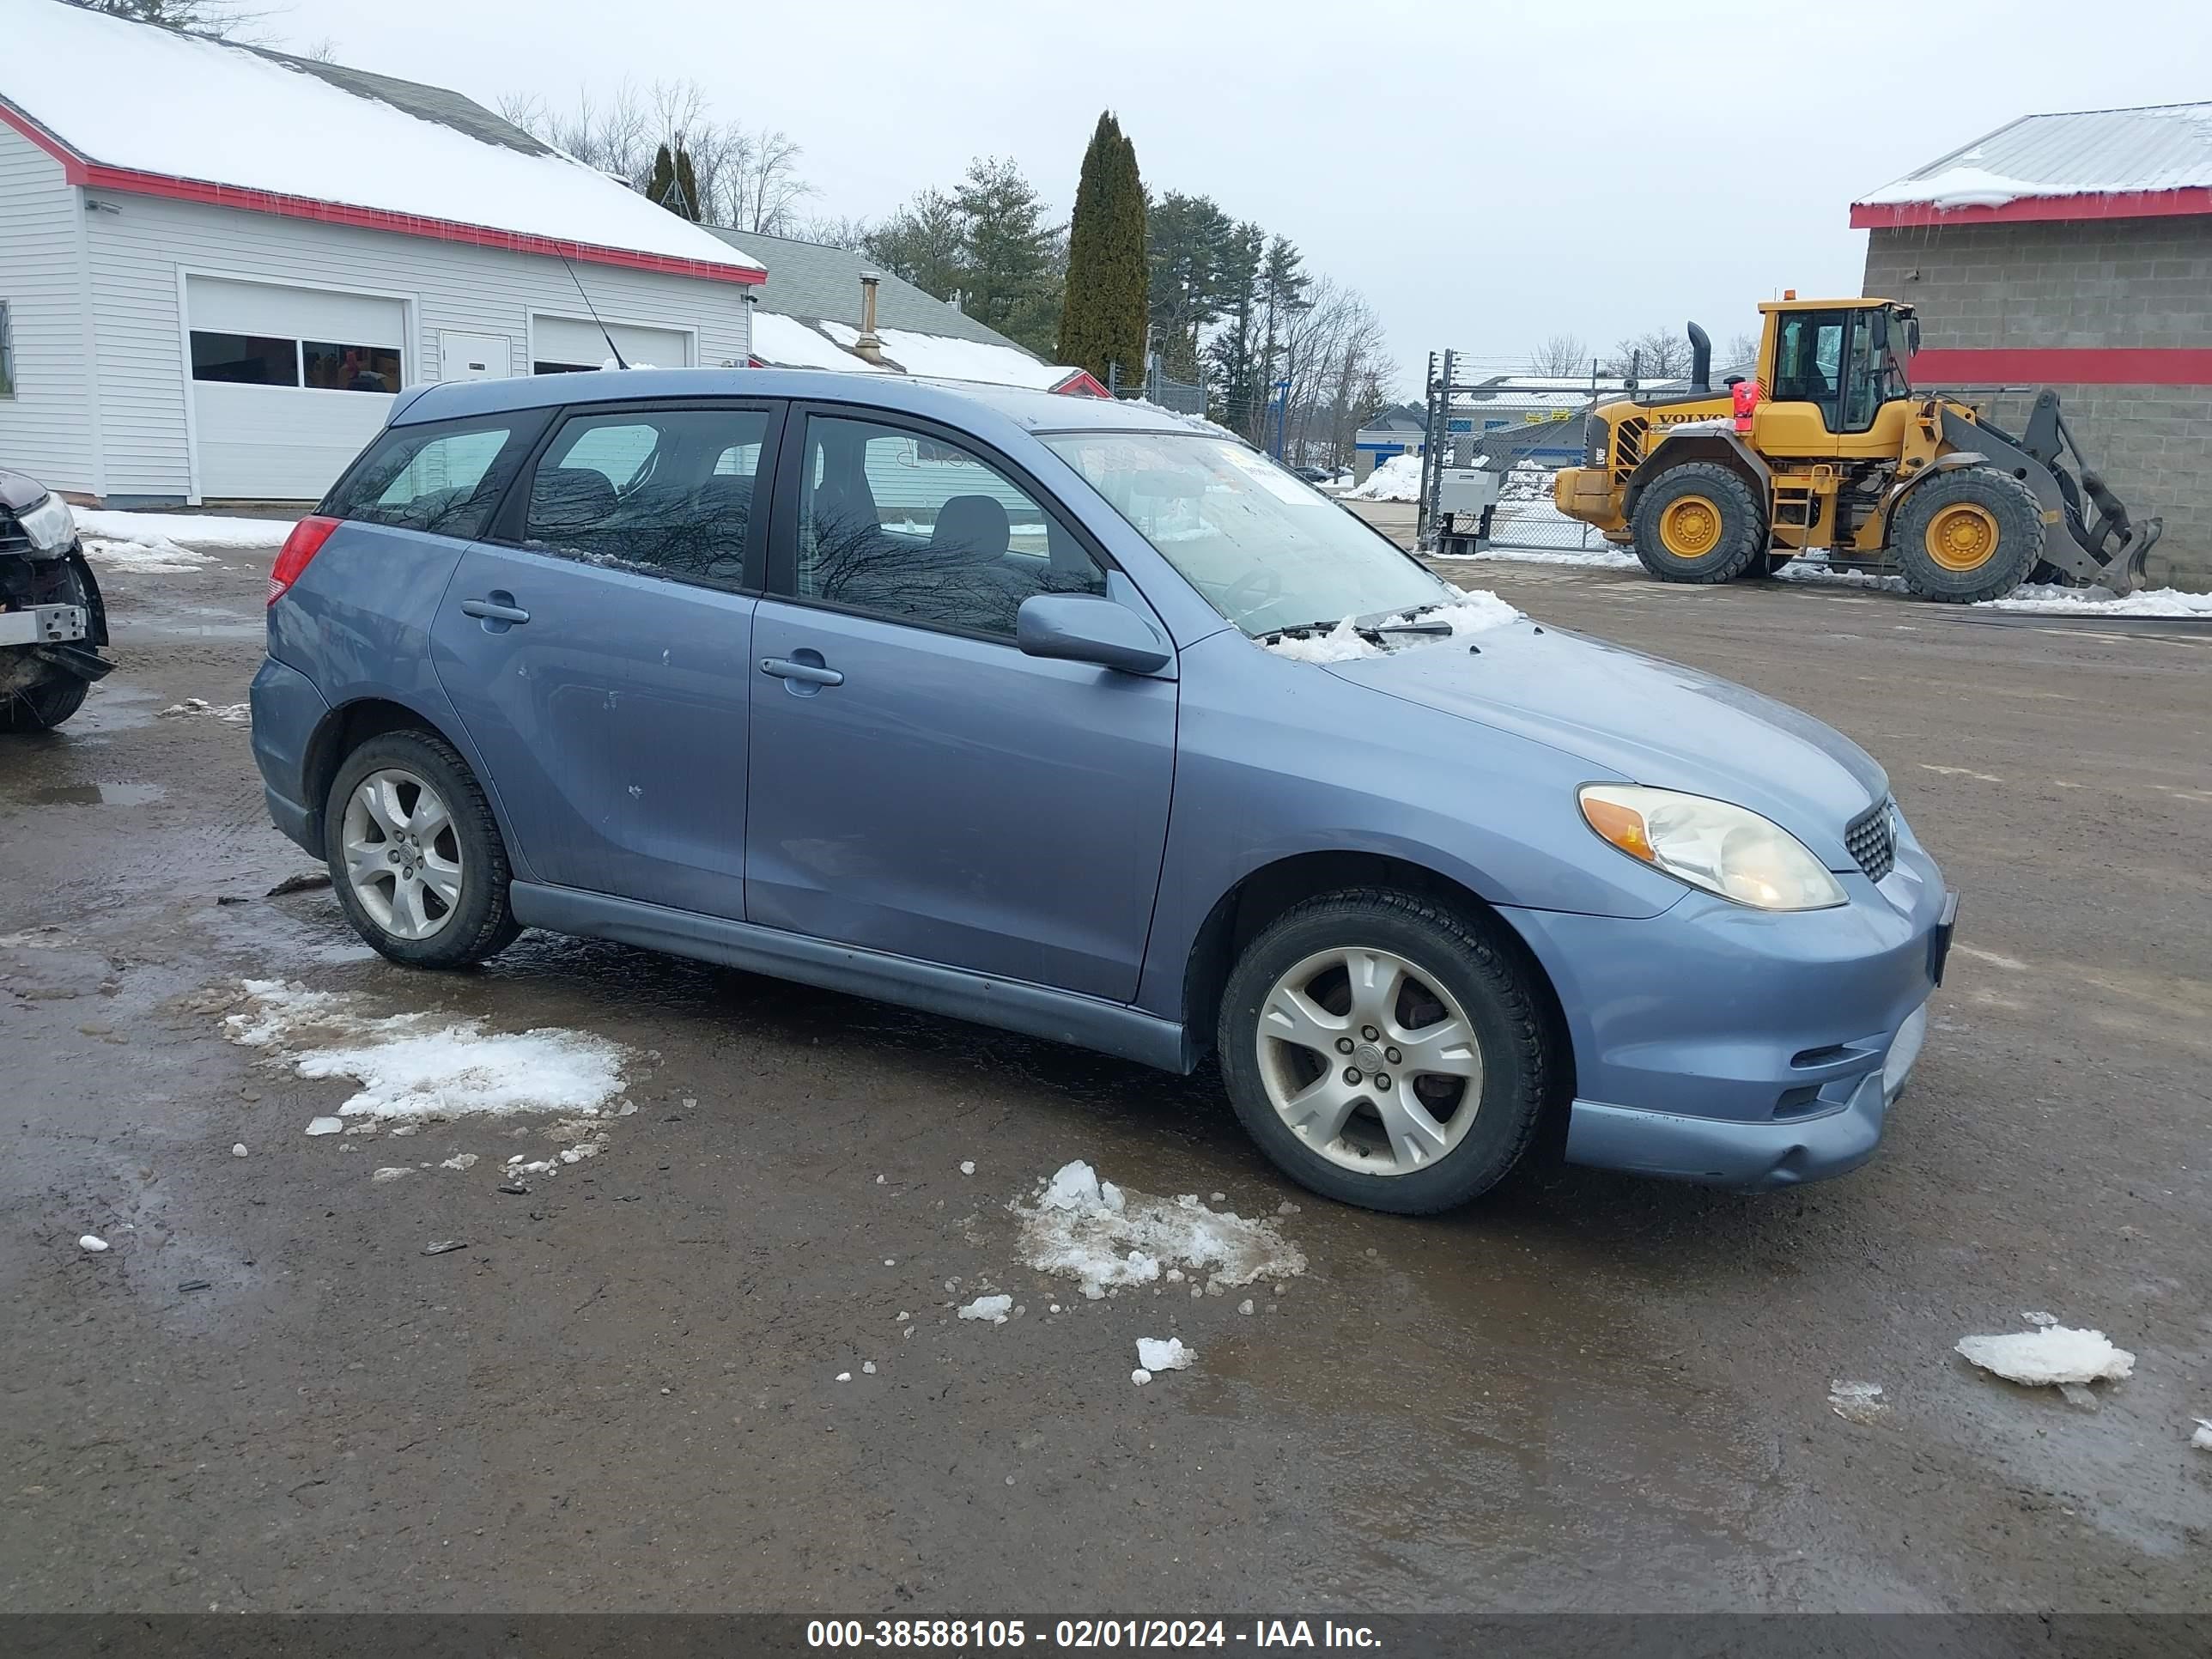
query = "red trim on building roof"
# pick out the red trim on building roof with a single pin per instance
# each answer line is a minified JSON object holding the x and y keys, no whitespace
{"x":72,"y":163}
{"x":1082,"y":384}
{"x":99,"y":177}
{"x":93,"y":175}
{"x":2124,"y":204}
{"x":2064,"y":365}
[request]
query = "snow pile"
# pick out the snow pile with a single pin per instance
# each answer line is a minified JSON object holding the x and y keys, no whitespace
{"x":1599,"y":554}
{"x":2050,"y":599}
{"x":181,"y":530}
{"x":1156,"y":1355}
{"x":2202,"y":1438}
{"x":1960,"y":185}
{"x":92,"y":1242}
{"x":424,"y":1066}
{"x":1398,"y":479}
{"x":232,"y":713}
{"x":993,"y":1308}
{"x":1341,"y":644}
{"x":153,"y":558}
{"x":2049,"y":1354}
{"x":1815,"y":568}
{"x":1101,"y":1236}
{"x":1472,"y":611}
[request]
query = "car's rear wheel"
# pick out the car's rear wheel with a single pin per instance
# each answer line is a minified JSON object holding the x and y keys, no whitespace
{"x":414,"y":853}
{"x":1385,"y":1050}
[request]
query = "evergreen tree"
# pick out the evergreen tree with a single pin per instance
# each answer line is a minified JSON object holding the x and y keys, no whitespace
{"x":661,"y":183}
{"x":1186,"y":239}
{"x":687,"y":188}
{"x":925,"y":242}
{"x":1009,"y":277}
{"x":1102,"y":319}
{"x":1234,"y":352}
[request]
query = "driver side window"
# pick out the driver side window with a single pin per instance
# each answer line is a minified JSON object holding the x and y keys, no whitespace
{"x":1809,"y":363}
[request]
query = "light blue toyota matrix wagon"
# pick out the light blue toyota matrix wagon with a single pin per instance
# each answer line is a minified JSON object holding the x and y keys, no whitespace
{"x":1064,"y":716}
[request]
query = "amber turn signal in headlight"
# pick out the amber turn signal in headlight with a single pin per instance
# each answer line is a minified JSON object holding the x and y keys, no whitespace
{"x":1725,"y":849}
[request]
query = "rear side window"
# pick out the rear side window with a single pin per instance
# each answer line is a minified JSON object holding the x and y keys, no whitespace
{"x":445,"y":478}
{"x":669,"y":489}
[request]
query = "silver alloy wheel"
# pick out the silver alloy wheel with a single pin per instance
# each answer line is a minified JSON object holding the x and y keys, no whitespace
{"x":403,"y":854}
{"x":1370,"y":1061}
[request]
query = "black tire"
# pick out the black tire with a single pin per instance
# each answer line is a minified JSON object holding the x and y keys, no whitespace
{"x":43,"y":706}
{"x":479,"y":924}
{"x":1767,"y":563}
{"x":1739,"y":531}
{"x":1483,"y":974}
{"x":1975,"y":497}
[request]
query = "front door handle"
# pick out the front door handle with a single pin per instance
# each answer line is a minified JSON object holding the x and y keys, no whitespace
{"x":807,"y":673}
{"x":498,"y":608}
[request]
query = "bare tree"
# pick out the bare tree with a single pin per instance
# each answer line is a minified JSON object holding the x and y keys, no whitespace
{"x":1742,"y":352}
{"x":765,"y":189}
{"x":749,"y":180}
{"x":1560,"y":357}
{"x":1655,"y":355}
{"x":835,"y":231}
{"x":215,"y":17}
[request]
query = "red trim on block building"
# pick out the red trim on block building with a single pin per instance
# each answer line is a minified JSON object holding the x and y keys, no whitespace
{"x":2064,"y":365}
{"x":93,"y":175}
{"x":2028,"y":209}
{"x":1082,"y":384}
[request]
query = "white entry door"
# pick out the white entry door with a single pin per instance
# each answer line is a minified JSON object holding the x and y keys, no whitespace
{"x":474,"y":356}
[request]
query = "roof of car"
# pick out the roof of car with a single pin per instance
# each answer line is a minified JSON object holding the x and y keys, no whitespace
{"x":954,"y":403}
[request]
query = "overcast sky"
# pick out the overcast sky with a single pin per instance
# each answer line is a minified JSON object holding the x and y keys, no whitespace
{"x":1488,"y":174}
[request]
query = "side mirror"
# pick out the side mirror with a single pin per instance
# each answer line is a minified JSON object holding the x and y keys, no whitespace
{"x":1879,"y":320}
{"x":1084,"y":628}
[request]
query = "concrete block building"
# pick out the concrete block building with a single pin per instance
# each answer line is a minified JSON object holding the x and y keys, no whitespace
{"x":2074,"y":251}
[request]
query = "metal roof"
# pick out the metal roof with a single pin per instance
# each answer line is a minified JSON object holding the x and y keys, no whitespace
{"x":2099,"y":151}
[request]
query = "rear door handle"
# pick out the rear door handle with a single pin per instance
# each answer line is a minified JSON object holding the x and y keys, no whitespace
{"x":807,"y":673}
{"x":492,"y":610}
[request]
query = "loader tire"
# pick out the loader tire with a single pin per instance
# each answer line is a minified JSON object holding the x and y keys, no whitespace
{"x":1968,"y":536}
{"x":1699,"y":522}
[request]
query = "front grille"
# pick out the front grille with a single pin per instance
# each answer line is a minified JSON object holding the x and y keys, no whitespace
{"x":1872,"y":839}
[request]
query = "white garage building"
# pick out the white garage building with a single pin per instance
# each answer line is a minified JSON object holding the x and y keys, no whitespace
{"x":218,"y":263}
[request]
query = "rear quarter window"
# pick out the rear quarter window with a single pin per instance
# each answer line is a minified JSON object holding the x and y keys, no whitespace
{"x":442,"y":476}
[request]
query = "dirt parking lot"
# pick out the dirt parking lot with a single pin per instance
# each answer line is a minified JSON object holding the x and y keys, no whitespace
{"x":646,"y":1382}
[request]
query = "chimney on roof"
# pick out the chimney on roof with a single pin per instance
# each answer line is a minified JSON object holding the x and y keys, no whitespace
{"x":868,"y":346}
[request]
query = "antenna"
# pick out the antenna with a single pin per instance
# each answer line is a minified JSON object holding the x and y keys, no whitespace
{"x":613,"y":351}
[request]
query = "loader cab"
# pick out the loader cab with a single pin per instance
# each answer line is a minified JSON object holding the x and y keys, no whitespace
{"x":1830,"y":368}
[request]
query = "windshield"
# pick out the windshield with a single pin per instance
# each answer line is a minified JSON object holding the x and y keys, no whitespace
{"x":1267,"y":552}
{"x":1897,"y":357}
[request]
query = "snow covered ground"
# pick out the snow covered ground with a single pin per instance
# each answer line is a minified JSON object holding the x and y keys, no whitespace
{"x":422,"y":1068}
{"x":154,"y":543}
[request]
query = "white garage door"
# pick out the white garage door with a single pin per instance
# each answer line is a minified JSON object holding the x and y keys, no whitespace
{"x":558,"y":343}
{"x":288,"y":383}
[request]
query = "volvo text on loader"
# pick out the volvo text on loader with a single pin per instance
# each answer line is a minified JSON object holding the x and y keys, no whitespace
{"x":1829,"y":446}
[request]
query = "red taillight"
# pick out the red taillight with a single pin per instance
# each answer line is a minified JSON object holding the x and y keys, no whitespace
{"x":305,"y":541}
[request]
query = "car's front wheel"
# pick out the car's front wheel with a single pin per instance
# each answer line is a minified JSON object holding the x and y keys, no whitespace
{"x":415,"y":855}
{"x":1385,"y":1050}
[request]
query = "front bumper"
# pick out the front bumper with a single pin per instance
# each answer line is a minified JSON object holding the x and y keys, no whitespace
{"x":1718,"y":1044}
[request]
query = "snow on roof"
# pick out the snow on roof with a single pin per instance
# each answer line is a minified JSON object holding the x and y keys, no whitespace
{"x":786,"y":343}
{"x":139,"y":107}
{"x":2103,"y":152}
{"x":936,"y":357}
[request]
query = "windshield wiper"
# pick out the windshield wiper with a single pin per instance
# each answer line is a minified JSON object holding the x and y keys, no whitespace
{"x":1327,"y":625}
{"x":1437,"y":627}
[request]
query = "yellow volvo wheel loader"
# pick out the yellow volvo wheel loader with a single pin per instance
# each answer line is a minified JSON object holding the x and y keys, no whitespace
{"x":1828,"y":446}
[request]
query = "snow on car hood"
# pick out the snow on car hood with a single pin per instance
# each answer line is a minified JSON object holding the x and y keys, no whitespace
{"x":1642,"y":719}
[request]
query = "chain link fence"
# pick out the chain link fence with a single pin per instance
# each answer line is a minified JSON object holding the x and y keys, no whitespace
{"x":1524,"y":427}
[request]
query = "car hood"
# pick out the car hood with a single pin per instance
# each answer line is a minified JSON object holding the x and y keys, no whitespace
{"x":1643,"y":720}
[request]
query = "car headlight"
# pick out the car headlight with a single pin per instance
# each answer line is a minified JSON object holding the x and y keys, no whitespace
{"x":1722,"y":848}
{"x":50,"y":525}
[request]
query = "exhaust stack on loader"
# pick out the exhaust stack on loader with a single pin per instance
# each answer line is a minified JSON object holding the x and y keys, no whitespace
{"x":1829,"y":446}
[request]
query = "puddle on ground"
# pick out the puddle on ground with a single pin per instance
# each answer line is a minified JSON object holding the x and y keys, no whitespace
{"x":98,"y":794}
